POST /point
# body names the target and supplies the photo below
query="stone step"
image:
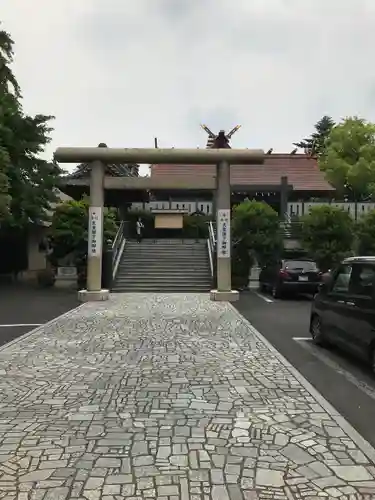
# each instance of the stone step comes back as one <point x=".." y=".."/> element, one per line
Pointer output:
<point x="163" y="265"/>
<point x="161" y="243"/>
<point x="173" y="273"/>
<point x="166" y="282"/>
<point x="163" y="258"/>
<point x="167" y="255"/>
<point x="153" y="249"/>
<point x="158" y="288"/>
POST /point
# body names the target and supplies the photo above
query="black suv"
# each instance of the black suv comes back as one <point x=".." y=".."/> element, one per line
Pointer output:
<point x="343" y="310"/>
<point x="290" y="276"/>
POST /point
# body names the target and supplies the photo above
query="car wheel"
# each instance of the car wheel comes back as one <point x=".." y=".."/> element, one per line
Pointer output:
<point x="276" y="292"/>
<point x="317" y="331"/>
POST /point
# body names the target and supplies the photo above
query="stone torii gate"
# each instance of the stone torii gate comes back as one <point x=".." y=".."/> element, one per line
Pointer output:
<point x="220" y="155"/>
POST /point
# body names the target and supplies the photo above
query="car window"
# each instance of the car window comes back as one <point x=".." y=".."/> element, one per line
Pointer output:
<point x="342" y="279"/>
<point x="362" y="280"/>
<point x="304" y="265"/>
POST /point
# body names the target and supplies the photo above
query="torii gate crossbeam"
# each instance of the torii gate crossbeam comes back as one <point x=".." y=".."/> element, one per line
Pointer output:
<point x="223" y="158"/>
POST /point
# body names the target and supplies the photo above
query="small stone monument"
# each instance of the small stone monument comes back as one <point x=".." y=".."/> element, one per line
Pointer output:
<point x="66" y="276"/>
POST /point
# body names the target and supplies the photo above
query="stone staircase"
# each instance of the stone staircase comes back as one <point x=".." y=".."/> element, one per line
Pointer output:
<point x="164" y="265"/>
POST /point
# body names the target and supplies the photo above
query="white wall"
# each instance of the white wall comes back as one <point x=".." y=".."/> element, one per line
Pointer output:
<point x="356" y="210"/>
<point x="190" y="206"/>
<point x="297" y="208"/>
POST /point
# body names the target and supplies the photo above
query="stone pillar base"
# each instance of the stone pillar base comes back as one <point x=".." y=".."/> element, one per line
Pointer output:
<point x="93" y="296"/>
<point x="230" y="296"/>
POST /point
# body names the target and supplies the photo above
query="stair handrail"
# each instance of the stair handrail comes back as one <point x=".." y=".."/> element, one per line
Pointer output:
<point x="212" y="233"/>
<point x="211" y="246"/>
<point x="290" y="229"/>
<point x="118" y="246"/>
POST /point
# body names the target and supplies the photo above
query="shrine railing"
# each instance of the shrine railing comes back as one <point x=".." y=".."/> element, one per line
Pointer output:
<point x="118" y="246"/>
<point x="211" y="245"/>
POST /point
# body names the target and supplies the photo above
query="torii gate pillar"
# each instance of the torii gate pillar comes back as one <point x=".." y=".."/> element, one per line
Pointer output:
<point x="94" y="291"/>
<point x="221" y="155"/>
<point x="224" y="290"/>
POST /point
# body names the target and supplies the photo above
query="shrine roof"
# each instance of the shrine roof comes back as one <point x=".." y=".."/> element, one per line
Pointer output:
<point x="123" y="170"/>
<point x="301" y="170"/>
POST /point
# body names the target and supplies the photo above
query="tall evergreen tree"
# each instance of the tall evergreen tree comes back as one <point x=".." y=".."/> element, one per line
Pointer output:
<point x="27" y="182"/>
<point x="314" y="145"/>
<point x="8" y="81"/>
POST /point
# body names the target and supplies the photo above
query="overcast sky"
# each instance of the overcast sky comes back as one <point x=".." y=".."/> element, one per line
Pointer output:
<point x="125" y="71"/>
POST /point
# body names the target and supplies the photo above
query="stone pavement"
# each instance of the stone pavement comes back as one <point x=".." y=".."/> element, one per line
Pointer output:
<point x="169" y="397"/>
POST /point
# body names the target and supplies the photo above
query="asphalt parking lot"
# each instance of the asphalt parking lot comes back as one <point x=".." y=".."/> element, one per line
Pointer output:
<point x="344" y="381"/>
<point x="23" y="308"/>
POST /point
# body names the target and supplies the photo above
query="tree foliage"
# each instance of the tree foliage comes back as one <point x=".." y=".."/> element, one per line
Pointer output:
<point x="349" y="158"/>
<point x="27" y="181"/>
<point x="256" y="228"/>
<point x="69" y="230"/>
<point x="8" y="82"/>
<point x="315" y="144"/>
<point x="327" y="234"/>
<point x="365" y="233"/>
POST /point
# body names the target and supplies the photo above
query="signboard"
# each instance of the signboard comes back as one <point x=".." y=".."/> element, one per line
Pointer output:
<point x="95" y="231"/>
<point x="223" y="233"/>
<point x="169" y="221"/>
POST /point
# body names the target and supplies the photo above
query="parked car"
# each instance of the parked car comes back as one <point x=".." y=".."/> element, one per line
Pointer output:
<point x="343" y="310"/>
<point x="290" y="276"/>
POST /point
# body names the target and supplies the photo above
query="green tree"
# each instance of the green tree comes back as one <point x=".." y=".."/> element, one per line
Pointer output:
<point x="27" y="182"/>
<point x="315" y="144"/>
<point x="8" y="82"/>
<point x="365" y="232"/>
<point x="69" y="230"/>
<point x="256" y="229"/>
<point x="349" y="158"/>
<point x="327" y="234"/>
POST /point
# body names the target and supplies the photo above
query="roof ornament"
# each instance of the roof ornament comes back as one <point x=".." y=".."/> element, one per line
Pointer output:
<point x="220" y="140"/>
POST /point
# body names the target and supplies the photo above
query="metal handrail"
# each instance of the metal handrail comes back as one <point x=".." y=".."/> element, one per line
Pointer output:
<point x="212" y="233"/>
<point x="118" y="246"/>
<point x="290" y="229"/>
<point x="120" y="232"/>
<point x="211" y="245"/>
<point x="210" y="256"/>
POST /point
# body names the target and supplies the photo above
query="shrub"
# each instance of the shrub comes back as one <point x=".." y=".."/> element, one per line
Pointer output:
<point x="328" y="235"/>
<point x="69" y="230"/>
<point x="365" y="232"/>
<point x="46" y="277"/>
<point x="256" y="224"/>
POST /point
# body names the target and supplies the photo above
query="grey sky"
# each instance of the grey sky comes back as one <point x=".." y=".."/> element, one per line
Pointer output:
<point x="125" y="71"/>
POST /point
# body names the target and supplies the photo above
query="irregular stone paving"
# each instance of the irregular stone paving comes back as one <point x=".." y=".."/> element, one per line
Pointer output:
<point x="169" y="397"/>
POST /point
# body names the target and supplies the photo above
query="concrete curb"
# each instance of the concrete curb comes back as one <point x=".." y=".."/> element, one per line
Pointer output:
<point x="362" y="444"/>
<point x="38" y="329"/>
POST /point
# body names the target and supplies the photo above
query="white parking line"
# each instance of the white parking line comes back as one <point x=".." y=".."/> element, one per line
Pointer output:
<point x="266" y="299"/>
<point x="20" y="325"/>
<point x="320" y="354"/>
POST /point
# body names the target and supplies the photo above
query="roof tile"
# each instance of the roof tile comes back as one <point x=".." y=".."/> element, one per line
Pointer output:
<point x="302" y="172"/>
